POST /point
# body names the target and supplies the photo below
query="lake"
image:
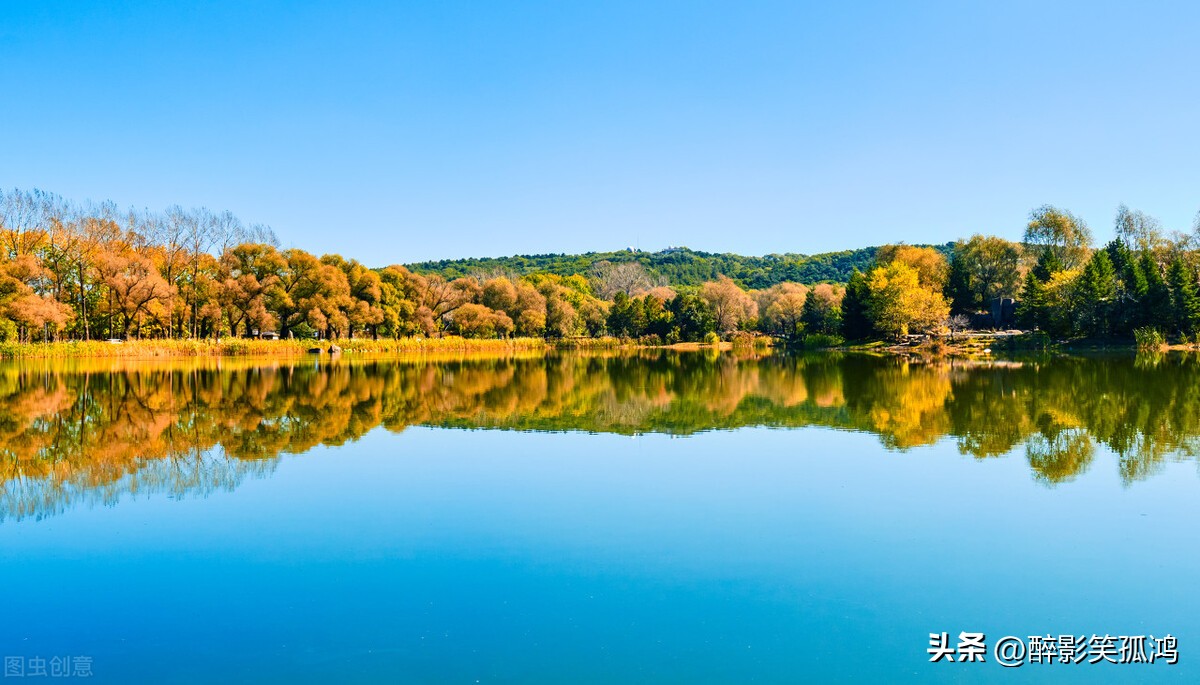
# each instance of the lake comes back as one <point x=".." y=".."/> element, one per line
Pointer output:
<point x="636" y="517"/>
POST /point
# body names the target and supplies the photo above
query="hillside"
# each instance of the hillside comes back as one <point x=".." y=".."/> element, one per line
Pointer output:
<point x="680" y="266"/>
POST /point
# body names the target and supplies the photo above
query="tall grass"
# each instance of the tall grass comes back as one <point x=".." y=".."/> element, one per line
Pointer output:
<point x="1148" y="338"/>
<point x="239" y="347"/>
<point x="601" y="343"/>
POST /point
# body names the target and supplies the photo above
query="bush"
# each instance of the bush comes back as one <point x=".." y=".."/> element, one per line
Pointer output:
<point x="816" y="341"/>
<point x="937" y="346"/>
<point x="711" y="338"/>
<point x="1148" y="338"/>
<point x="303" y="331"/>
<point x="1033" y="340"/>
<point x="744" y="339"/>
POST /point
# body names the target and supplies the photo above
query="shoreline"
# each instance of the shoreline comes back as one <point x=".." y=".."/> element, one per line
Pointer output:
<point x="968" y="345"/>
<point x="250" y="347"/>
<point x="1011" y="342"/>
<point x="293" y="349"/>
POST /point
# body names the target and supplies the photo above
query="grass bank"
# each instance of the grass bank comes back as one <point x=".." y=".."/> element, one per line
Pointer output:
<point x="239" y="347"/>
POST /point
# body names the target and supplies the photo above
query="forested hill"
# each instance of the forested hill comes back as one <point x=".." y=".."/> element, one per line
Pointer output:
<point x="680" y="266"/>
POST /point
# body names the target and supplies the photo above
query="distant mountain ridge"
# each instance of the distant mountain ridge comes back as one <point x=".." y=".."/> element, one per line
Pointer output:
<point x="681" y="266"/>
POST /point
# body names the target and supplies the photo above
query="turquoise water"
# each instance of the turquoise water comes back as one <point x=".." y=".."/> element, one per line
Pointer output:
<point x="754" y="554"/>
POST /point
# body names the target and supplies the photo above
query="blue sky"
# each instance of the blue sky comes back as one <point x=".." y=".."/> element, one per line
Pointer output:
<point x="401" y="131"/>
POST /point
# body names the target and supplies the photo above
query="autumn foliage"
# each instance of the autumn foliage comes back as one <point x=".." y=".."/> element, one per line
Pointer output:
<point x="71" y="272"/>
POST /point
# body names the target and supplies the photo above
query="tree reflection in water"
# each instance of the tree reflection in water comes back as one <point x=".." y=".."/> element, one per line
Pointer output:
<point x="89" y="431"/>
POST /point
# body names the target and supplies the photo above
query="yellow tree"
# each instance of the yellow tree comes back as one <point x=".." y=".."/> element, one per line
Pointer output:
<point x="135" y="286"/>
<point x="730" y="304"/>
<point x="250" y="274"/>
<point x="441" y="297"/>
<point x="28" y="311"/>
<point x="530" y="310"/>
<point x="823" y="309"/>
<point x="931" y="266"/>
<point x="781" y="306"/>
<point x="363" y="308"/>
<point x="899" y="303"/>
<point x="1061" y="233"/>
<point x="478" y="321"/>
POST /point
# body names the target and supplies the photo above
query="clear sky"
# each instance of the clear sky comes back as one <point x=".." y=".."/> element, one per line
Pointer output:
<point x="401" y="131"/>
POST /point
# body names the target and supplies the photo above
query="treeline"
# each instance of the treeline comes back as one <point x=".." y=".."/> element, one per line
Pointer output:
<point x="1142" y="284"/>
<point x="677" y="266"/>
<point x="85" y="272"/>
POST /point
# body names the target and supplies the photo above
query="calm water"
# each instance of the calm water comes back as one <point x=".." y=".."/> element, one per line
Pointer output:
<point x="645" y="518"/>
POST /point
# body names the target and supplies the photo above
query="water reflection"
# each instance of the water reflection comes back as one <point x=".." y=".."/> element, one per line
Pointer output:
<point x="90" y="431"/>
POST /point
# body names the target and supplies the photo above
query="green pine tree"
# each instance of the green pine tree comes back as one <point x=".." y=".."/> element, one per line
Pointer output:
<point x="1155" y="305"/>
<point x="1096" y="296"/>
<point x="1033" y="311"/>
<point x="621" y="316"/>
<point x="1185" y="304"/>
<point x="958" y="289"/>
<point x="856" y="324"/>
<point x="1047" y="265"/>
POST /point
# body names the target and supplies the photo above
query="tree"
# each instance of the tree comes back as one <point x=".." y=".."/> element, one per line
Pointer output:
<point x="37" y="314"/>
<point x="1061" y="232"/>
<point x="899" y="303"/>
<point x="206" y="293"/>
<point x="609" y="278"/>
<point x="442" y="297"/>
<point x="1097" y="296"/>
<point x="957" y="324"/>
<point x="1155" y="306"/>
<point x="562" y="320"/>
<point x="362" y="304"/>
<point x="30" y="314"/>
<point x="170" y="234"/>
<point x="200" y="236"/>
<point x="691" y="318"/>
<point x="299" y="282"/>
<point x="1047" y="264"/>
<point x="931" y="267"/>
<point x="730" y="305"/>
<point x="329" y="307"/>
<point x="135" y="286"/>
<point x="1185" y="304"/>
<point x="477" y="321"/>
<point x="1061" y="301"/>
<point x="1039" y="306"/>
<point x="1129" y="310"/>
<point x="1140" y="230"/>
<point x="626" y="317"/>
<point x="1032" y="311"/>
<point x="500" y="294"/>
<point x="250" y="271"/>
<point x="856" y="320"/>
<point x="22" y="216"/>
<point x="983" y="268"/>
<point x="822" y="311"/>
<point x="401" y="298"/>
<point x="958" y="287"/>
<point x="530" y="310"/>
<point x="655" y="314"/>
<point x="782" y="306"/>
